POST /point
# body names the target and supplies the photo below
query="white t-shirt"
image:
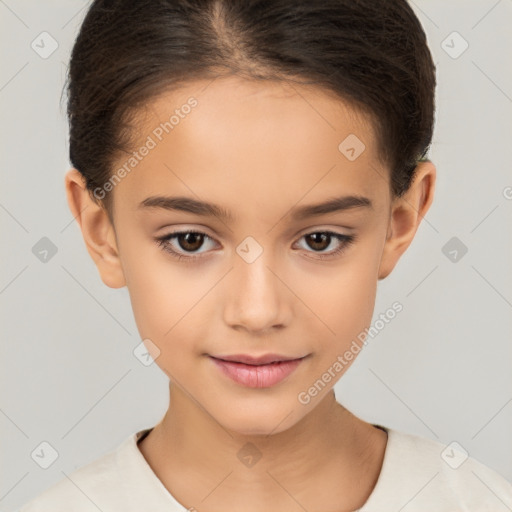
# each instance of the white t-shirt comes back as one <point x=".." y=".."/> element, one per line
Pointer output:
<point x="417" y="475"/>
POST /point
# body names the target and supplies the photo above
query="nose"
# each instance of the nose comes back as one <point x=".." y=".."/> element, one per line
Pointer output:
<point x="257" y="298"/>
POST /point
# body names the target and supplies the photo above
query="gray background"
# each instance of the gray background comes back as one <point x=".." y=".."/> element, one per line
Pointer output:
<point x="441" y="369"/>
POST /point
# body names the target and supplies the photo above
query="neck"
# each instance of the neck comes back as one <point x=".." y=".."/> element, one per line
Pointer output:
<point x="330" y="449"/>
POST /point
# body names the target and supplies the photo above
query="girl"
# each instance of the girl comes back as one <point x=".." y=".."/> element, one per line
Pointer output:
<point x="250" y="170"/>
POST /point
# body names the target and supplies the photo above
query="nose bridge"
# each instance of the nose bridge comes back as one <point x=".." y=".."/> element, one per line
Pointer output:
<point x="256" y="299"/>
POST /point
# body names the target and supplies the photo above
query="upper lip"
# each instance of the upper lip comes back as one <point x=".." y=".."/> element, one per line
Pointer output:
<point x="265" y="359"/>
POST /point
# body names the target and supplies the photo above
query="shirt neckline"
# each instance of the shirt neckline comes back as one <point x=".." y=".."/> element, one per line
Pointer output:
<point x="150" y="476"/>
<point x="384" y="470"/>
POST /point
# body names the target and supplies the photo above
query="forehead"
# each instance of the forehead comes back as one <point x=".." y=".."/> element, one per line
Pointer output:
<point x="266" y="141"/>
<point x="257" y="110"/>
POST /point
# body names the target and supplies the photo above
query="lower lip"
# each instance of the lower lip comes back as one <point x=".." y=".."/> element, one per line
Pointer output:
<point x="261" y="376"/>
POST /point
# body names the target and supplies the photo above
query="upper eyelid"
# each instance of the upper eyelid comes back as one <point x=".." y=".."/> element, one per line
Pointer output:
<point x="330" y="231"/>
<point x="300" y="233"/>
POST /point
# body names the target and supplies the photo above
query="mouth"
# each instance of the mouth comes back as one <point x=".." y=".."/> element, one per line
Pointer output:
<point x="257" y="372"/>
<point x="257" y="360"/>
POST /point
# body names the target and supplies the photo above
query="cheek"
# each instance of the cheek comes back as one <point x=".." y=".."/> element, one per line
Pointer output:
<point x="159" y="308"/>
<point x="342" y="298"/>
<point x="343" y="295"/>
<point x="160" y="293"/>
<point x="168" y="302"/>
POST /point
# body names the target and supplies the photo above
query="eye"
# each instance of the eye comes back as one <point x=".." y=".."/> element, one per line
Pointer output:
<point x="187" y="241"/>
<point x="322" y="239"/>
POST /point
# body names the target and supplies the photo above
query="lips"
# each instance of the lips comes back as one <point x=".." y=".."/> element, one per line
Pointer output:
<point x="260" y="372"/>
<point x="253" y="360"/>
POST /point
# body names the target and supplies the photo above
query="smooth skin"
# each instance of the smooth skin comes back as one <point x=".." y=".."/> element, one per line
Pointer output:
<point x="259" y="150"/>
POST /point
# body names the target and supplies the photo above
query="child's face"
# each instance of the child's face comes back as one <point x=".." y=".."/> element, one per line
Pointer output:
<point x="260" y="152"/>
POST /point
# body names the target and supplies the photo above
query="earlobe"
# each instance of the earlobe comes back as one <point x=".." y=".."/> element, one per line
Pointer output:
<point x="407" y="213"/>
<point x="97" y="230"/>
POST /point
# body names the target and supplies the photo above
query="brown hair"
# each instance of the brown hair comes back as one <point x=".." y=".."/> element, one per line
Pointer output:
<point x="373" y="54"/>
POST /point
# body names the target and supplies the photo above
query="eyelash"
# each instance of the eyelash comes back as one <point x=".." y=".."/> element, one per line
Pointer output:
<point x="164" y="243"/>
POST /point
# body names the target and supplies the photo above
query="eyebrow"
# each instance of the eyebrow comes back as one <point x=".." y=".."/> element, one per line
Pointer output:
<point x="206" y="209"/>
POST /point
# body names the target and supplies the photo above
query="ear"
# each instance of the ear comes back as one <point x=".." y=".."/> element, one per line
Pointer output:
<point x="97" y="230"/>
<point x="407" y="212"/>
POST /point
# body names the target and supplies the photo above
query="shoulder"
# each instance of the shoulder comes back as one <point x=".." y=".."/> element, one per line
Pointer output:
<point x="420" y="473"/>
<point x="95" y="486"/>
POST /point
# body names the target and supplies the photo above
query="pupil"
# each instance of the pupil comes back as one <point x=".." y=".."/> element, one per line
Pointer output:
<point x="318" y="241"/>
<point x="195" y="246"/>
<point x="322" y="236"/>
